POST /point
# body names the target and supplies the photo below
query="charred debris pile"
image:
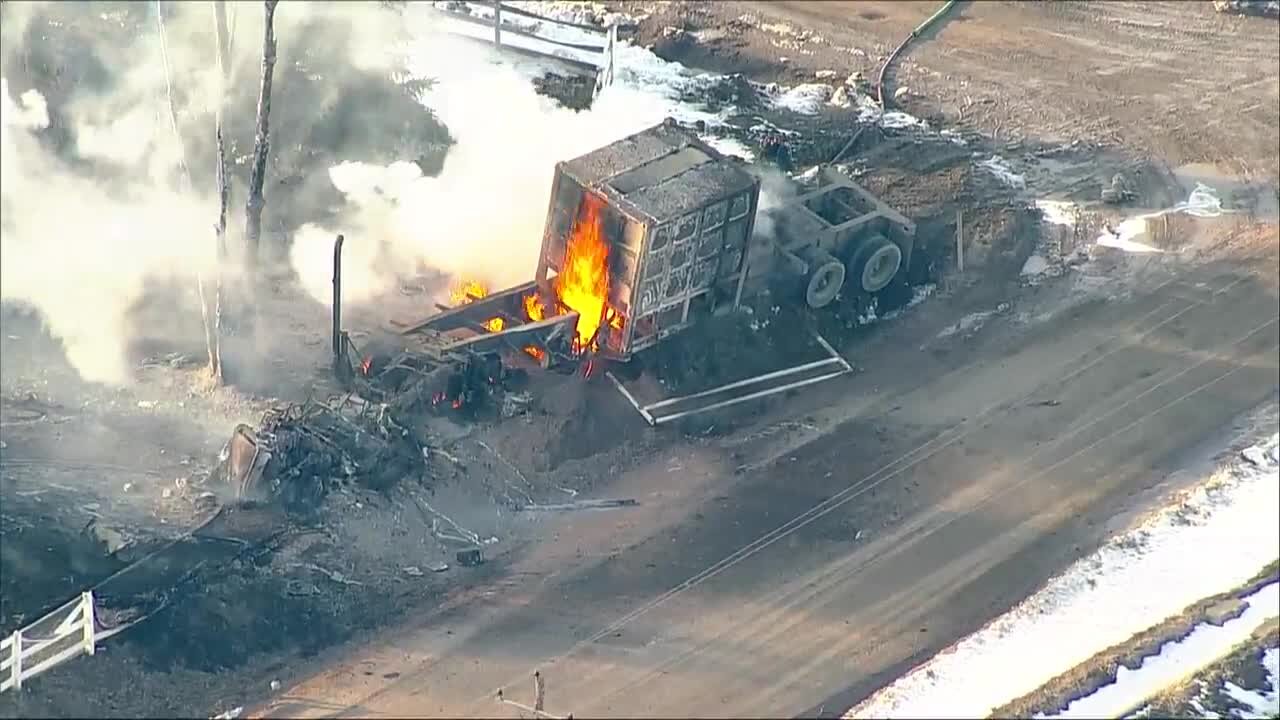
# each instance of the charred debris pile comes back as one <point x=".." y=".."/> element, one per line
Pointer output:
<point x="373" y="435"/>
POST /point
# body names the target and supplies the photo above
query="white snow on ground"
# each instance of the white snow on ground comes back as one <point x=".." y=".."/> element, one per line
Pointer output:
<point x="1264" y="703"/>
<point x="971" y="323"/>
<point x="1203" y="202"/>
<point x="806" y="99"/>
<point x="1123" y="237"/>
<point x="1214" y="540"/>
<point x="1205" y="644"/>
<point x="1254" y="704"/>
<point x="1057" y="212"/>
<point x="999" y="167"/>
<point x="1034" y="266"/>
<point x="637" y="71"/>
<point x="729" y="146"/>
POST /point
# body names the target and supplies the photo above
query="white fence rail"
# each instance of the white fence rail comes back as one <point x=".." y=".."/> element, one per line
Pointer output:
<point x="586" y="47"/>
<point x="50" y="641"/>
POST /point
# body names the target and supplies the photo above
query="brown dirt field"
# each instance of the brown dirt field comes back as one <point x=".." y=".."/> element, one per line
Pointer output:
<point x="1173" y="81"/>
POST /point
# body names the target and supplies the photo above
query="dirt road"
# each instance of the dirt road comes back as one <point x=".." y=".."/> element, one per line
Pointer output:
<point x="953" y="495"/>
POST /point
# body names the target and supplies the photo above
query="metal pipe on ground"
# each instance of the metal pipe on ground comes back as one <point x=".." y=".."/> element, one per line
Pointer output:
<point x="884" y="70"/>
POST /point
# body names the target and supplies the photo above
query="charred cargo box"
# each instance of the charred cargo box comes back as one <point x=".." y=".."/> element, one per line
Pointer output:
<point x="675" y="218"/>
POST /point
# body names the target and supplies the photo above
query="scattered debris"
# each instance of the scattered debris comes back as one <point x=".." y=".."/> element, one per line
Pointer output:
<point x="581" y="505"/>
<point x="1261" y="8"/>
<point x="331" y="574"/>
<point x="471" y="557"/>
<point x="1118" y="192"/>
<point x="298" y="452"/>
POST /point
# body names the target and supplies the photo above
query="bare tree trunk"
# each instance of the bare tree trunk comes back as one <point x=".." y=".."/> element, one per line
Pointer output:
<point x="222" y="38"/>
<point x="261" y="146"/>
<point x="210" y="319"/>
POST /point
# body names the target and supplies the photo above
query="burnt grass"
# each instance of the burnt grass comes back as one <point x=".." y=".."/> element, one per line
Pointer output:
<point x="324" y="111"/>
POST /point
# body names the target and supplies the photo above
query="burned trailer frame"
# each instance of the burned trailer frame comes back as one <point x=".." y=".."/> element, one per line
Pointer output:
<point x="677" y="218"/>
<point x="836" y="233"/>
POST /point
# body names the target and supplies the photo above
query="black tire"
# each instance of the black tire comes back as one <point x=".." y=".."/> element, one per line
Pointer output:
<point x="875" y="263"/>
<point x="824" y="284"/>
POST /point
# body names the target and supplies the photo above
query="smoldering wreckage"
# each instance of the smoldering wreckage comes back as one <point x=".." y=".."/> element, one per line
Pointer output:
<point x="645" y="238"/>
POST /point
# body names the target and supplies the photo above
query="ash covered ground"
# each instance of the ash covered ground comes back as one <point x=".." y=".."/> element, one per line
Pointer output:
<point x="96" y="475"/>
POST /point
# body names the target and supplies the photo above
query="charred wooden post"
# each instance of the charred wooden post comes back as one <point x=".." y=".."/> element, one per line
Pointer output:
<point x="341" y="363"/>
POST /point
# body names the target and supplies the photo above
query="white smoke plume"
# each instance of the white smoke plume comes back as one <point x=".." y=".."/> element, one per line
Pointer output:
<point x="81" y="250"/>
<point x="482" y="217"/>
<point x="95" y="211"/>
<point x="776" y="188"/>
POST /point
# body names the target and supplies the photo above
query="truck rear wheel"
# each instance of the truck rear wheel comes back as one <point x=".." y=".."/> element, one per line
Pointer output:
<point x="826" y="278"/>
<point x="875" y="263"/>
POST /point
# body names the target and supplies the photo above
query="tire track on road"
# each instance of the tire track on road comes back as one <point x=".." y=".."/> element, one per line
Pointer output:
<point x="885" y="472"/>
<point x="841" y="572"/>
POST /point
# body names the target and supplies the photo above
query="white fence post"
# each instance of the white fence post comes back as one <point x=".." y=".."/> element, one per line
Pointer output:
<point x="87" y="617"/>
<point x="497" y="22"/>
<point x="613" y="39"/>
<point x="16" y="667"/>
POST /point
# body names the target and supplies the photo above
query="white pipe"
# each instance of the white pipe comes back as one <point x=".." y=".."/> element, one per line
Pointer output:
<point x="833" y="352"/>
<point x="630" y="398"/>
<point x="752" y="396"/>
<point x="748" y="381"/>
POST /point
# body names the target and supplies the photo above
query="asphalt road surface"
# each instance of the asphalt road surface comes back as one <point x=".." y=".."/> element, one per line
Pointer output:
<point x="804" y="586"/>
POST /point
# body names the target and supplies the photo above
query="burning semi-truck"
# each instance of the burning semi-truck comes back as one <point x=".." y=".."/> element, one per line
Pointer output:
<point x="649" y="235"/>
<point x="646" y="236"/>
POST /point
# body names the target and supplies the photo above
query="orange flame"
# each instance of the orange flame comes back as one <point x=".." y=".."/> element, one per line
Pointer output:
<point x="469" y="291"/>
<point x="583" y="282"/>
<point x="533" y="308"/>
<point x="582" y="285"/>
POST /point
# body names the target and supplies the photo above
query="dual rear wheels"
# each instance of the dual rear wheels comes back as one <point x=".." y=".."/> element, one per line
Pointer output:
<point x="873" y="264"/>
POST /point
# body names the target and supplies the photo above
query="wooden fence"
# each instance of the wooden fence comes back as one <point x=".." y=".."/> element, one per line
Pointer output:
<point x="63" y="634"/>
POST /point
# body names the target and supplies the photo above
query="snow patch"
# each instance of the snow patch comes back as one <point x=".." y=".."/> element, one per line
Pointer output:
<point x="729" y="146"/>
<point x="1264" y="703"/>
<point x="1205" y="644"/>
<point x="871" y="112"/>
<point x="919" y="294"/>
<point x="1035" y="266"/>
<point x="968" y="324"/>
<point x="1058" y="212"/>
<point x="806" y="99"/>
<point x="999" y="167"/>
<point x="1224" y="530"/>
<point x="1203" y="202"/>
<point x="1122" y="237"/>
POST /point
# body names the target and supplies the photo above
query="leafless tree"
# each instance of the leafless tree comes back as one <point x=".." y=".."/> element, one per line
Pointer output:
<point x="212" y="316"/>
<point x="222" y="38"/>
<point x="261" y="146"/>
